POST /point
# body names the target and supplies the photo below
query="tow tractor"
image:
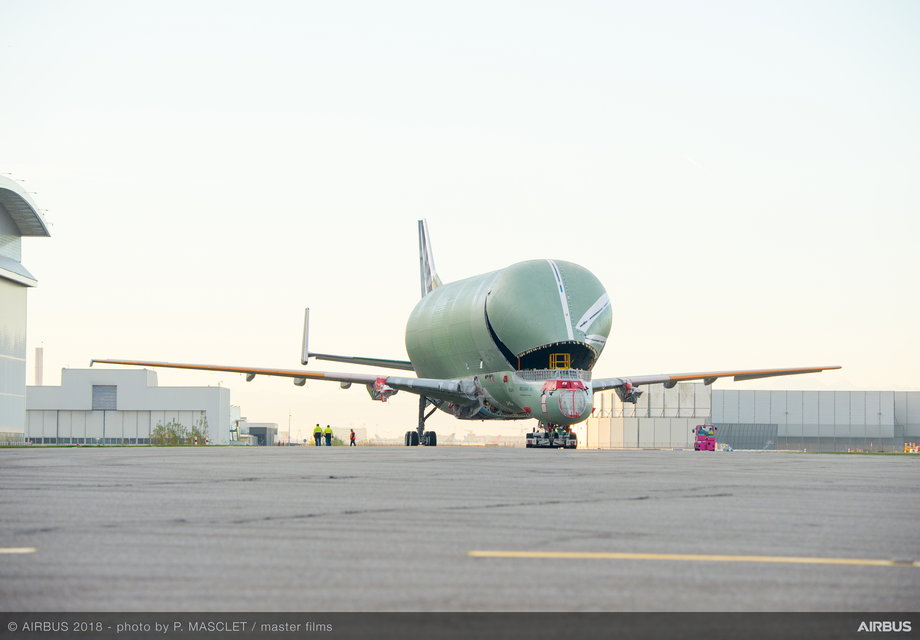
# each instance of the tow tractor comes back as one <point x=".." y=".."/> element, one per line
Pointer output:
<point x="704" y="437"/>
<point x="552" y="436"/>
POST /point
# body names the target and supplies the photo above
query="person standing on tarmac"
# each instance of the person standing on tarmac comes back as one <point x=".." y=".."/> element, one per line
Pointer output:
<point x="352" y="439"/>
<point x="318" y="435"/>
<point x="328" y="433"/>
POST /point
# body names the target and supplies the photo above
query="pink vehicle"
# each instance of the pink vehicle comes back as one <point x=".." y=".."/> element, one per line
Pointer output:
<point x="704" y="437"/>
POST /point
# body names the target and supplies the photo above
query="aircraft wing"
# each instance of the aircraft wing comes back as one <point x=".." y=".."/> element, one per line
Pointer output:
<point x="669" y="380"/>
<point x="379" y="386"/>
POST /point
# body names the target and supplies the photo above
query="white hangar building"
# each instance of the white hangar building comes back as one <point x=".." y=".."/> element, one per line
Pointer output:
<point x="19" y="217"/>
<point x="121" y="406"/>
<point x="748" y="419"/>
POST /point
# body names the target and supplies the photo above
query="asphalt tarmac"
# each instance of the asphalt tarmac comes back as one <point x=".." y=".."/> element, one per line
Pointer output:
<point x="399" y="529"/>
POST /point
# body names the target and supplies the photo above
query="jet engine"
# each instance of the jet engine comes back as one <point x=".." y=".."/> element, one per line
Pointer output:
<point x="380" y="390"/>
<point x="626" y="392"/>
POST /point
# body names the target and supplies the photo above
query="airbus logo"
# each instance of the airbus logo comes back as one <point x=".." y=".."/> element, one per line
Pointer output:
<point x="887" y="626"/>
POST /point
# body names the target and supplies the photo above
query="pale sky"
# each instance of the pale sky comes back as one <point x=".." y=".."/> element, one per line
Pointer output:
<point x="741" y="176"/>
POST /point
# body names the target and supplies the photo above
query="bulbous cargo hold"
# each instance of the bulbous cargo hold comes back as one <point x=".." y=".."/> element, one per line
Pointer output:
<point x="539" y="314"/>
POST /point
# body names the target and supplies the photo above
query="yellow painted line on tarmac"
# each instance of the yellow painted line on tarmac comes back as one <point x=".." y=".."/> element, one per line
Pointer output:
<point x="17" y="550"/>
<point x="683" y="557"/>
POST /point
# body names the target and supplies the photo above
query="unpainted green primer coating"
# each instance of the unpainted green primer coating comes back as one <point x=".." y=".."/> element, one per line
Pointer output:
<point x="448" y="335"/>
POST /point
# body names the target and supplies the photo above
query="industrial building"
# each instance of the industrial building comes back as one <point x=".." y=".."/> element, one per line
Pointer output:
<point x="264" y="434"/>
<point x="122" y="406"/>
<point x="19" y="217"/>
<point x="125" y="406"/>
<point x="746" y="419"/>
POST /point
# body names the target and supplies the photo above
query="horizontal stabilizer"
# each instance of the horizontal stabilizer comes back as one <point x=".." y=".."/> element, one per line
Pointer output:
<point x="306" y="354"/>
<point x="404" y="365"/>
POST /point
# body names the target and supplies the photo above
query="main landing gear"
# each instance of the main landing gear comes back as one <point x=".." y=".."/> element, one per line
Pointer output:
<point x="420" y="436"/>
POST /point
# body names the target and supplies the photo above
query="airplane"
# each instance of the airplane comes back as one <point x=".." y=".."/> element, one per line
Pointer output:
<point x="512" y="344"/>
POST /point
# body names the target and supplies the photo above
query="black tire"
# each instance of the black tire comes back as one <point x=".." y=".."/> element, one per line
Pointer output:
<point x="413" y="438"/>
<point x="431" y="439"/>
<point x="407" y="438"/>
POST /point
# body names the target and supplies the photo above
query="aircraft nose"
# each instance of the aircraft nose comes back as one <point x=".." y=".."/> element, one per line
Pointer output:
<point x="573" y="403"/>
<point x="566" y="401"/>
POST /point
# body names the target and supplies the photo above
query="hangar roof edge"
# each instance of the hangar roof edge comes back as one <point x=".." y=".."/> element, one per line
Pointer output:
<point x="22" y="209"/>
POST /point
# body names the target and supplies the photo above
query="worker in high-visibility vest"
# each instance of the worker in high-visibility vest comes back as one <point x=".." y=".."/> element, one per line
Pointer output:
<point x="328" y="433"/>
<point x="318" y="435"/>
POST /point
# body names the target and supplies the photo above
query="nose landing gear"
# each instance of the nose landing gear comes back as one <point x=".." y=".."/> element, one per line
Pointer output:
<point x="552" y="436"/>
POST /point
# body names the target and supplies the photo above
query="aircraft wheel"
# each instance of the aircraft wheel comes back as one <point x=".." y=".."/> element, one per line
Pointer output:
<point x="407" y="437"/>
<point x="431" y="438"/>
<point x="413" y="438"/>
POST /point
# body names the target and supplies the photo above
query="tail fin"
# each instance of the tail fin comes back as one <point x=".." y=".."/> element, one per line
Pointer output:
<point x="429" y="276"/>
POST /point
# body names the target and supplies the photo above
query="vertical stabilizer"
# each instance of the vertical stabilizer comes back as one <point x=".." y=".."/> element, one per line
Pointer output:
<point x="429" y="276"/>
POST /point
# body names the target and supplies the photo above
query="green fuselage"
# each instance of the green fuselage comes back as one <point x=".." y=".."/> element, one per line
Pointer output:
<point x="527" y="336"/>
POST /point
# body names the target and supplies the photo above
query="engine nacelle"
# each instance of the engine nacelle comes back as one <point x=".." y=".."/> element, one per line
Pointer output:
<point x="379" y="390"/>
<point x="626" y="392"/>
